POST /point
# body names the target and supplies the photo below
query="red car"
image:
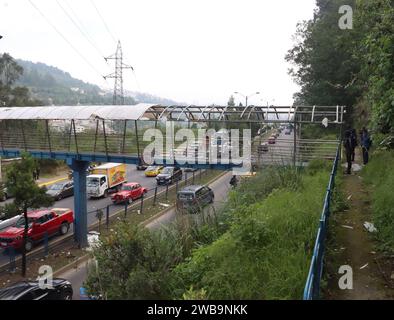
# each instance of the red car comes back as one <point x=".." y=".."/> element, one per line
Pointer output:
<point x="40" y="222"/>
<point x="272" y="140"/>
<point x="128" y="193"/>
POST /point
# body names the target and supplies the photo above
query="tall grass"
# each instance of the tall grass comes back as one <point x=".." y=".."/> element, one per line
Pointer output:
<point x="379" y="175"/>
<point x="258" y="246"/>
<point x="266" y="252"/>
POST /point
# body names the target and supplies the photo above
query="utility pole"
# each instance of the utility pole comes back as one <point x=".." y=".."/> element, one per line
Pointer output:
<point x="118" y="98"/>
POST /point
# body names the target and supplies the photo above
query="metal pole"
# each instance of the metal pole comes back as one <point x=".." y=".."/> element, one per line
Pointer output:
<point x="107" y="217"/>
<point x="75" y="136"/>
<point x="105" y="139"/>
<point x="142" y="204"/>
<point x="136" y="136"/>
<point x="48" y="135"/>
<point x="46" y="246"/>
<point x="295" y="142"/>
<point x="124" y="136"/>
<point x="95" y="136"/>
<point x="167" y="191"/>
<point x="23" y="135"/>
<point x="155" y="197"/>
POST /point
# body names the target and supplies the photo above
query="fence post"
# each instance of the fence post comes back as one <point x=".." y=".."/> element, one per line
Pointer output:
<point x="11" y="252"/>
<point x="107" y="217"/>
<point x="167" y="191"/>
<point x="125" y="209"/>
<point x="185" y="178"/>
<point x="155" y="197"/>
<point x="142" y="204"/>
<point x="46" y="245"/>
<point x="200" y="175"/>
<point x="193" y="177"/>
<point x="176" y="187"/>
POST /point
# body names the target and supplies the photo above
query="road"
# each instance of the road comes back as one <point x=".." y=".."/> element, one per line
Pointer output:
<point x="220" y="187"/>
<point x="133" y="175"/>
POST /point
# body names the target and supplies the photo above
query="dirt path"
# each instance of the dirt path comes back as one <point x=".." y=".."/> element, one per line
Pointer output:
<point x="352" y="245"/>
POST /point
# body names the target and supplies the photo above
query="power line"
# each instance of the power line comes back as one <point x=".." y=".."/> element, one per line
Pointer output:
<point x="84" y="34"/>
<point x="64" y="38"/>
<point x="102" y="19"/>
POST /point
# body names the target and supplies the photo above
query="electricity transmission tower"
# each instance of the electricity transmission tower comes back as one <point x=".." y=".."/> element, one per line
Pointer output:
<point x="118" y="98"/>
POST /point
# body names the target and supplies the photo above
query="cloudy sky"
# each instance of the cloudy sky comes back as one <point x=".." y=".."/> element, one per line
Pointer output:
<point x="193" y="51"/>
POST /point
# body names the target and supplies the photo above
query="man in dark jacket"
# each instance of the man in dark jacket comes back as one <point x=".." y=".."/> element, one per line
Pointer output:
<point x="365" y="144"/>
<point x="354" y="143"/>
<point x="348" y="145"/>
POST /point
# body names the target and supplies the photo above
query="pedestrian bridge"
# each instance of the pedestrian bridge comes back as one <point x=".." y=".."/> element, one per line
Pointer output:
<point x="83" y="134"/>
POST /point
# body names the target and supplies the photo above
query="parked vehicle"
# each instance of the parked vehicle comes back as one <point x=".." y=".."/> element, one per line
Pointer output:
<point x="193" y="198"/>
<point x="288" y="131"/>
<point x="129" y="192"/>
<point x="169" y="175"/>
<point x="31" y="290"/>
<point x="40" y="222"/>
<point x="61" y="190"/>
<point x="272" y="140"/>
<point x="153" y="171"/>
<point x="4" y="194"/>
<point x="106" y="178"/>
<point x="190" y="169"/>
<point x="141" y="166"/>
<point x="263" y="147"/>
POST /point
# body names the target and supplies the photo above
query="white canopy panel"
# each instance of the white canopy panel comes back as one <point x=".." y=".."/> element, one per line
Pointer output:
<point x="130" y="112"/>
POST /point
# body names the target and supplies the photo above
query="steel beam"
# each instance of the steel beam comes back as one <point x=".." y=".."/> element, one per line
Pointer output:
<point x="80" y="203"/>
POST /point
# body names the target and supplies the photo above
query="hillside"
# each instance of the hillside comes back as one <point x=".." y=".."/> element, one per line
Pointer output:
<point x="54" y="86"/>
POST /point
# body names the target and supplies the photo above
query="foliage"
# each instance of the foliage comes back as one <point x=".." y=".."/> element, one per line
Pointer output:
<point x="348" y="67"/>
<point x="381" y="181"/>
<point x="266" y="252"/>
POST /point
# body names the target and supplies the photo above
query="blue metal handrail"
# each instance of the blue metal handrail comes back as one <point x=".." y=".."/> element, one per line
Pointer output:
<point x="312" y="286"/>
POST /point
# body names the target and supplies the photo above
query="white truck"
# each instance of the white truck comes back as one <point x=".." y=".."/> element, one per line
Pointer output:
<point x="105" y="178"/>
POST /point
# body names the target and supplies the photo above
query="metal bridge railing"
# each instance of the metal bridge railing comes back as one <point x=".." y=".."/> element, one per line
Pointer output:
<point x="312" y="286"/>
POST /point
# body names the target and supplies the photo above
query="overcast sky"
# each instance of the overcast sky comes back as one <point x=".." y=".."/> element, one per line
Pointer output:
<point x="194" y="51"/>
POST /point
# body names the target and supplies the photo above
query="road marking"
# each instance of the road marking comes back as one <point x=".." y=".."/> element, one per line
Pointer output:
<point x="52" y="182"/>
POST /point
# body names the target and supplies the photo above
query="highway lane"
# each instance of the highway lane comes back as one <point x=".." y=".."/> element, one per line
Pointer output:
<point x="133" y="175"/>
<point x="220" y="187"/>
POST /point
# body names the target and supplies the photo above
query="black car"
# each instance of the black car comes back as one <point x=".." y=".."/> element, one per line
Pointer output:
<point x="169" y="175"/>
<point x="61" y="190"/>
<point x="192" y="199"/>
<point x="61" y="290"/>
<point x="141" y="166"/>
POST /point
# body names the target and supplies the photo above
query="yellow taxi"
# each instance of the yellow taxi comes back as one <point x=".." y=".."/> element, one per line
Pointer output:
<point x="153" y="171"/>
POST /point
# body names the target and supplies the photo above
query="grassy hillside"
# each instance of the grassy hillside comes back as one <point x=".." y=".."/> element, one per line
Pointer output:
<point x="54" y="86"/>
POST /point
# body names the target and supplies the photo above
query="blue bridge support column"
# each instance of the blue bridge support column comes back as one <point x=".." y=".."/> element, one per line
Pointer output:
<point x="80" y="203"/>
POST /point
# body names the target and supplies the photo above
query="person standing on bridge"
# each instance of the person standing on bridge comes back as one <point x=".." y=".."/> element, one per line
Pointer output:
<point x="348" y="145"/>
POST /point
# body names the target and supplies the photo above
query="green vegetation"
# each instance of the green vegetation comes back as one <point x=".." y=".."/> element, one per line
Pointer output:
<point x="348" y="67"/>
<point x="28" y="195"/>
<point x="258" y="246"/>
<point x="381" y="180"/>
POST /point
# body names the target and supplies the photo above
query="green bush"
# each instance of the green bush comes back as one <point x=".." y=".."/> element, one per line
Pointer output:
<point x="379" y="175"/>
<point x="265" y="254"/>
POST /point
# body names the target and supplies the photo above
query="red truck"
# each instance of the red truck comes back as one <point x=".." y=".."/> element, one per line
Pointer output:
<point x="128" y="193"/>
<point x="40" y="222"/>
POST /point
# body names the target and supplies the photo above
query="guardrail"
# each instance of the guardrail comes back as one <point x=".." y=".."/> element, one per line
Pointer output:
<point x="160" y="194"/>
<point x="312" y="286"/>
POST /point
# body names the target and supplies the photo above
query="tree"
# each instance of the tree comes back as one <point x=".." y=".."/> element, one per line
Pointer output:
<point x="325" y="66"/>
<point x="28" y="195"/>
<point x="10" y="71"/>
<point x="10" y="95"/>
